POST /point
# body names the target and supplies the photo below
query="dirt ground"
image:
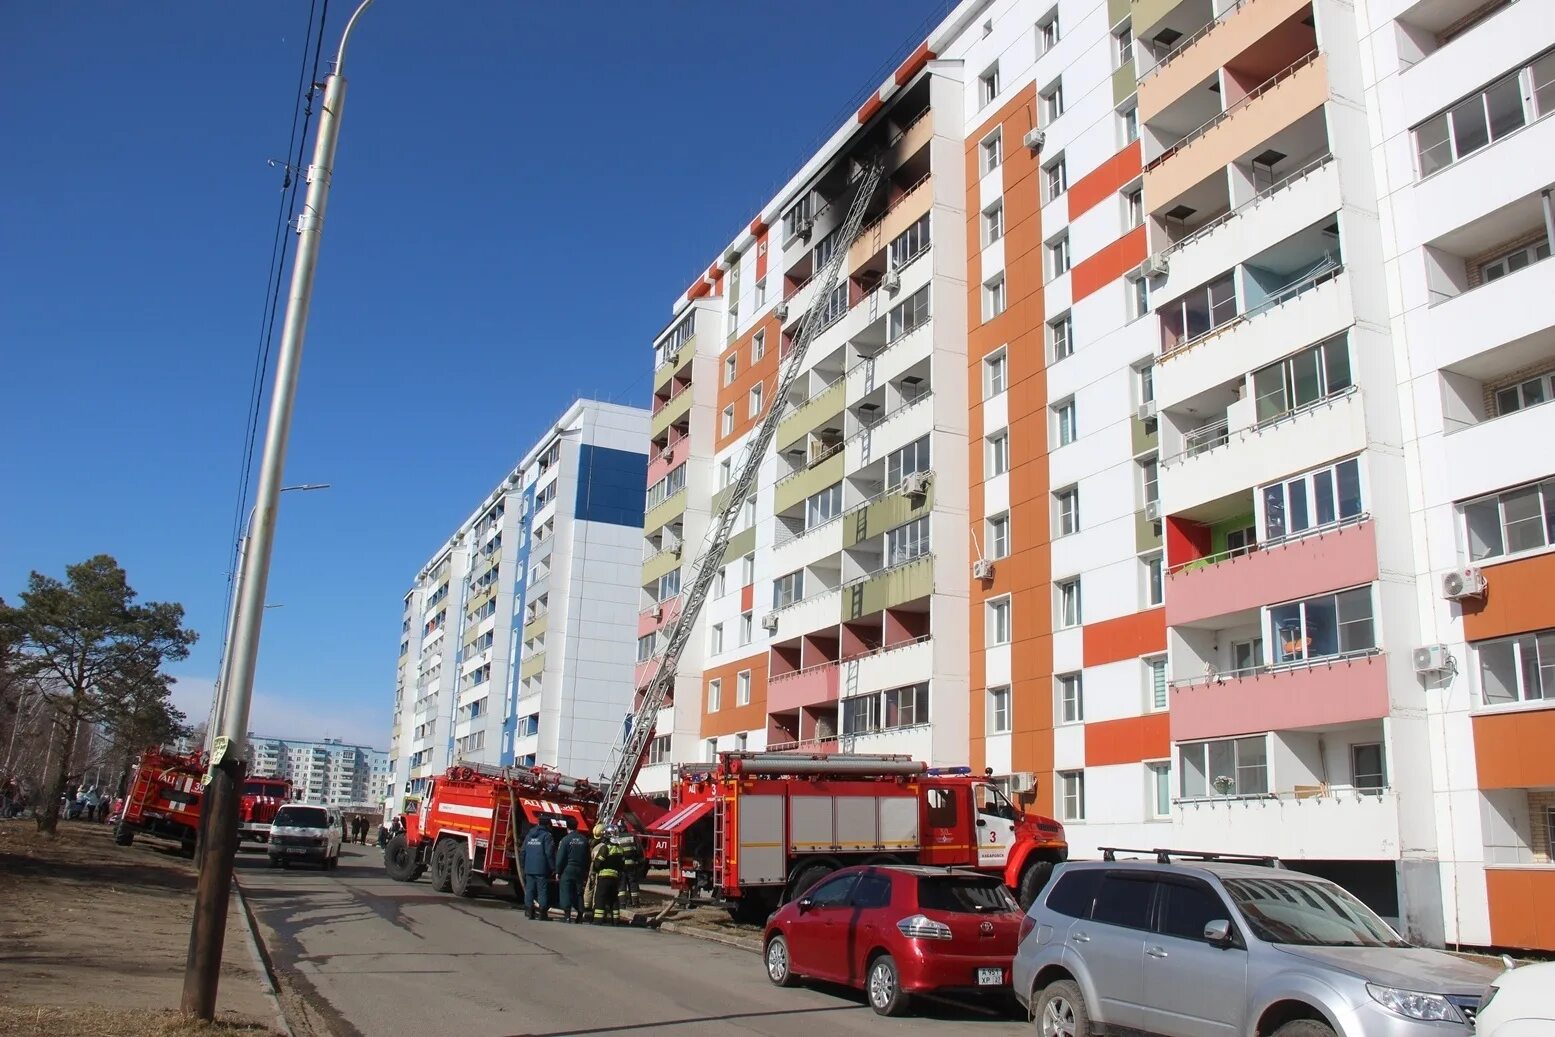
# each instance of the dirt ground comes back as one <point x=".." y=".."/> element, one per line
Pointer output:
<point x="85" y="925"/>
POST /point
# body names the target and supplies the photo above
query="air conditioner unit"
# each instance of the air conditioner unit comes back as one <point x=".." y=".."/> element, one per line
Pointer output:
<point x="1153" y="510"/>
<point x="1146" y="411"/>
<point x="1431" y="659"/>
<point x="769" y="622"/>
<point x="1463" y="583"/>
<point x="917" y="484"/>
<point x="658" y="612"/>
<point x="982" y="569"/>
<point x="1034" y="139"/>
<point x="891" y="281"/>
<point x="1155" y="265"/>
<point x="781" y="310"/>
<point x="676" y="550"/>
<point x="1023" y="781"/>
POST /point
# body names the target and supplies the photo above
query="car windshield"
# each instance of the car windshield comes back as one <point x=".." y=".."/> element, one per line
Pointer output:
<point x="1309" y="913"/>
<point x="301" y="817"/>
<point x="964" y="895"/>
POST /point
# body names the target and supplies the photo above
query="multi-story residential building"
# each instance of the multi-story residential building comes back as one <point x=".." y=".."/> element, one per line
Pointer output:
<point x="1460" y="93"/>
<point x="1154" y="405"/>
<point x="326" y="771"/>
<point x="517" y="633"/>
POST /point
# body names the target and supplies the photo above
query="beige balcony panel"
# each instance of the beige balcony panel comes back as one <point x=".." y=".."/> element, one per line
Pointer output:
<point x="820" y="407"/>
<point x="676" y="361"/>
<point x="531" y="666"/>
<point x="889" y="589"/>
<point x="721" y="498"/>
<point x="658" y="565"/>
<point x="888" y="512"/>
<point x="535" y="627"/>
<point x="809" y="482"/>
<point x="672" y="411"/>
<point x="665" y="511"/>
<point x="741" y="544"/>
<point x="1147" y="12"/>
<point x="904" y="212"/>
<point x="1238" y="133"/>
<point x="1117" y="10"/>
<point x="1142" y="439"/>
<point x="1203" y="57"/>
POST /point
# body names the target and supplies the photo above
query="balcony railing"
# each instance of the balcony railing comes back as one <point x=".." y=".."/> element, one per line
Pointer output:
<point x="1290" y="292"/>
<point x="1214" y="676"/>
<point x="1252" y="95"/>
<point x="1205" y="437"/>
<point x="1178" y="47"/>
<point x="911" y="190"/>
<point x="1268" y="192"/>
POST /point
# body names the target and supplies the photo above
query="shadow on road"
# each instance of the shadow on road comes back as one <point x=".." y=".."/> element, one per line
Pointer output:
<point x="688" y="1021"/>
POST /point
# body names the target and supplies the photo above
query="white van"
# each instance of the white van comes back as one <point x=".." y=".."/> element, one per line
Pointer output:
<point x="301" y="832"/>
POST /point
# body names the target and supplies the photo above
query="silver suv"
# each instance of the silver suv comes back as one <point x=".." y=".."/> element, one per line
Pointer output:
<point x="1193" y="945"/>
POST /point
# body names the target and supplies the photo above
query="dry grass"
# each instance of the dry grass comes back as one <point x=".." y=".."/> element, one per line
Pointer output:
<point x="27" y="1021"/>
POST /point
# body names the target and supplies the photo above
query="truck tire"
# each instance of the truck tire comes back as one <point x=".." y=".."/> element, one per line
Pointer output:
<point x="401" y="862"/>
<point x="440" y="877"/>
<point x="1032" y="882"/>
<point x="123" y="834"/>
<point x="806" y="878"/>
<point x="461" y="881"/>
<point x="753" y="908"/>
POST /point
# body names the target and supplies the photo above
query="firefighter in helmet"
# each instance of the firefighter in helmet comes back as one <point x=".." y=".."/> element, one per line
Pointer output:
<point x="631" y="862"/>
<point x="607" y="878"/>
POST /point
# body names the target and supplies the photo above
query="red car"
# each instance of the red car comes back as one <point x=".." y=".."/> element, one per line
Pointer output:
<point x="896" y="931"/>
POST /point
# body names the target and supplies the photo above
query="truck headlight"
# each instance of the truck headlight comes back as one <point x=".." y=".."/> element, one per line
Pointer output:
<point x="1411" y="1004"/>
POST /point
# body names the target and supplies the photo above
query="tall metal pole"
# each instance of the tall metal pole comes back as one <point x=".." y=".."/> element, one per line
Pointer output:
<point x="202" y="968"/>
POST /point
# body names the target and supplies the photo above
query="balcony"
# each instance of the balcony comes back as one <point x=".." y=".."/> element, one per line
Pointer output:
<point x="660" y="563"/>
<point x="1339" y="825"/>
<point x="905" y="210"/>
<point x="666" y="511"/>
<point x="814" y="412"/>
<point x="536" y="627"/>
<point x="1343" y="555"/>
<point x="897" y="665"/>
<point x="1227" y="40"/>
<point x="1455" y="68"/>
<point x="817" y="611"/>
<point x="888" y="588"/>
<point x="674" y="410"/>
<point x="806" y="687"/>
<point x="1322" y="693"/>
<point x="794" y="489"/>
<point x="673" y="364"/>
<point x="1493" y="454"/>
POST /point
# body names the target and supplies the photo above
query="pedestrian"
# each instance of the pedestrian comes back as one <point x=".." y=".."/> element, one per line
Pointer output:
<point x="607" y="879"/>
<point x="538" y="857"/>
<point x="631" y="862"/>
<point x="361" y="829"/>
<point x="572" y="869"/>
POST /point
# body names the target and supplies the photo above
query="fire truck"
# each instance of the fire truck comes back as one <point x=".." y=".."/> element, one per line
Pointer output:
<point x="165" y="794"/>
<point x="465" y="835"/>
<point x="759" y="829"/>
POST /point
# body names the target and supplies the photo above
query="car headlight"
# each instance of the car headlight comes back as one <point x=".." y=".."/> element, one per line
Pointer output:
<point x="1411" y="1004"/>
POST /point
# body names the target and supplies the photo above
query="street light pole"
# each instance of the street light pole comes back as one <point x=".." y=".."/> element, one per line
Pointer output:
<point x="202" y="968"/>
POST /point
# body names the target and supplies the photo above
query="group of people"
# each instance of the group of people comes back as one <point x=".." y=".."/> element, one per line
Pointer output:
<point x="357" y="829"/>
<point x="590" y="877"/>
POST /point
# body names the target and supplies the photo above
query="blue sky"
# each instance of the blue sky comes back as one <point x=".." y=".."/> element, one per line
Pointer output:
<point x="522" y="190"/>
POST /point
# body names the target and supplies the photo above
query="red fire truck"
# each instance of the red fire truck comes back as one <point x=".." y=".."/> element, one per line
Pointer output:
<point x="465" y="834"/>
<point x="758" y="829"/>
<point x="165" y="794"/>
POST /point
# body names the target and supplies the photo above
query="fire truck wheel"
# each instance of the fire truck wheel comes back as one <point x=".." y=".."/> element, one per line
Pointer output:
<point x="1032" y="882"/>
<point x="123" y="834"/>
<point x="778" y="970"/>
<point x="460" y="880"/>
<point x="440" y="866"/>
<point x="400" y="861"/>
<point x="884" y="987"/>
<point x="806" y="878"/>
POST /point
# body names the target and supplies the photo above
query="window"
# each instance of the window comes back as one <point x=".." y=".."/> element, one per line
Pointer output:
<point x="645" y="647"/>
<point x="731" y="368"/>
<point x="825" y="249"/>
<point x="711" y="747"/>
<point x="1310" y="501"/>
<point x="721" y="583"/>
<point x="993" y="297"/>
<point x="1071" y="788"/>
<point x="1047" y="33"/>
<point x="1246" y="655"/>
<point x="823" y="507"/>
<point x="755" y="400"/>
<point x="747" y="570"/>
<point x="1068" y="505"/>
<point x="909" y="244"/>
<point x="992" y="150"/>
<point x="999" y="621"/>
<point x="1529" y="392"/>
<point x="1074" y="893"/>
<point x="995" y="373"/>
<point x="998" y="458"/>
<point x="1071" y="698"/>
<point x="1517" y="669"/>
<point x="1058" y="257"/>
<point x="801" y="216"/>
<point x="1052" y="104"/>
<point x="886" y="710"/>
<point x="669" y="585"/>
<point x="1134" y="208"/>
<point x="1188" y="907"/>
<point x="914" y="457"/>
<point x="742" y="694"/>
<point x="1301" y="380"/>
<point x="1514" y="261"/>
<point x="1327" y="625"/>
<point x="999" y="536"/>
<point x="1128" y="124"/>
<point x="759" y="340"/>
<point x="716" y="639"/>
<point x="834" y="306"/>
<point x="1155" y="683"/>
<point x="726" y="422"/>
<point x="907" y="316"/>
<point x="1366" y="770"/>
<point x="714" y="695"/>
<point x="725" y="472"/>
<point x="1145" y="382"/>
<point x="666" y="487"/>
<point x="993" y="223"/>
<point x="1508" y="104"/>
<point x="906" y="542"/>
<point x="1150" y="480"/>
<point x="1197" y="313"/>
<point x="1064" y="422"/>
<point x="1226" y="767"/>
<point x="1055" y="179"/>
<point x="1138" y="296"/>
<point x="1160" y="776"/>
<point x="1521" y="519"/>
<point x="999" y="710"/>
<point x="1123" y="46"/>
<point x="745" y="628"/>
<point x="761" y="296"/>
<point x="1060" y="337"/>
<point x="1069" y="603"/>
<point x="788" y="589"/>
<point x="988" y="85"/>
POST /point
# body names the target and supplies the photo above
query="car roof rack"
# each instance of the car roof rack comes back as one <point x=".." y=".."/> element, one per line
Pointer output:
<point x="1165" y="856"/>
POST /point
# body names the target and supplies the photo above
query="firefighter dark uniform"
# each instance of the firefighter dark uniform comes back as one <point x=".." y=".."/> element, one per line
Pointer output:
<point x="631" y="864"/>
<point x="572" y="869"/>
<point x="607" y="881"/>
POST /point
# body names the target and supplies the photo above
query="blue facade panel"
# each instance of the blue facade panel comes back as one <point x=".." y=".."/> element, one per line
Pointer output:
<point x="611" y="486"/>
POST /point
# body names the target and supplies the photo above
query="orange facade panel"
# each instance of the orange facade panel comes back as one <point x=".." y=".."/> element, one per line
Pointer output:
<point x="1517" y="599"/>
<point x="732" y="717"/>
<point x="747" y="374"/>
<point x="1096" y="272"/>
<point x="870" y="108"/>
<point x="1105" y="181"/>
<point x="1127" y="637"/>
<point x="1512" y="749"/>
<point x="1128" y="740"/>
<point x="914" y="63"/>
<point x="1522" y="907"/>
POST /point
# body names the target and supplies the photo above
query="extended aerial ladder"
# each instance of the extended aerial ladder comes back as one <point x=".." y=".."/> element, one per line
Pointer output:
<point x="629" y="756"/>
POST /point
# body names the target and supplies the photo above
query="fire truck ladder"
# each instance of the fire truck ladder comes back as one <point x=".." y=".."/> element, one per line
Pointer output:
<point x="629" y="756"/>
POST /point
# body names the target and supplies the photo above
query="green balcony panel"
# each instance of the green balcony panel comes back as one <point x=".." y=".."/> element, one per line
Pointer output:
<point x="531" y="666"/>
<point x="1147" y="12"/>
<point x="535" y="627"/>
<point x="1145" y="536"/>
<point x="808" y="482"/>
<point x="1117" y="10"/>
<point x="741" y="544"/>
<point x="816" y="410"/>
<point x="1123" y="82"/>
<point x="658" y="565"/>
<point x="889" y="589"/>
<point x="672" y="412"/>
<point x="721" y="498"/>
<point x="1144" y="439"/>
<point x="667" y="370"/>
<point x="666" y="510"/>
<point x="888" y="512"/>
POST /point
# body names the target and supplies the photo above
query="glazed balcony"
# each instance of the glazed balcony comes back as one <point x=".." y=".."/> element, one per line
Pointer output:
<point x="1335" y="690"/>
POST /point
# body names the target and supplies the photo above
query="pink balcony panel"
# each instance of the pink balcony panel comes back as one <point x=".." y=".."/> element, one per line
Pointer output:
<point x="803" y="688"/>
<point x="646" y="624"/>
<point x="1344" y="556"/>
<point x="1320" y="695"/>
<point x="673" y="455"/>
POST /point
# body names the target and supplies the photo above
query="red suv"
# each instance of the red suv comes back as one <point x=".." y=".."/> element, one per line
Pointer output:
<point x="895" y="931"/>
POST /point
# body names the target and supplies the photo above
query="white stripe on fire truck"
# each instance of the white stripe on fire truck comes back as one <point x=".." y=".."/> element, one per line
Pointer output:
<point x="462" y="810"/>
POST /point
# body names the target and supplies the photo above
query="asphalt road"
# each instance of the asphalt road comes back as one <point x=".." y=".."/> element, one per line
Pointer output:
<point x="372" y="957"/>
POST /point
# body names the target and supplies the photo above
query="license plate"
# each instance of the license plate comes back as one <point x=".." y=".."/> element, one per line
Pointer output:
<point x="304" y="849"/>
<point x="990" y="977"/>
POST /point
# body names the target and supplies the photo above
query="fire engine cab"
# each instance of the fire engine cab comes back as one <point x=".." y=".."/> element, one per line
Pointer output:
<point x="165" y="796"/>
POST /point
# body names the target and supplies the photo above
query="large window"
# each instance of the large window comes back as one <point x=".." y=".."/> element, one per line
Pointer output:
<point x="909" y="244"/>
<point x="823" y="507"/>
<point x="1508" y="104"/>
<point x="1367" y="770"/>
<point x="999" y="621"/>
<point x="1521" y="519"/>
<point x="904" y="543"/>
<point x="908" y="315"/>
<point x="1517" y="669"/>
<point x="886" y="710"/>
<point x="1071" y="795"/>
<point x="899" y="464"/>
<point x="1070" y="690"/>
<point x="669" y="585"/>
<point x="667" y="487"/>
<point x="1513" y="261"/>
<point x="1324" y="626"/>
<point x="1227" y="767"/>
<point x="1298" y="381"/>
<point x="1530" y="392"/>
<point x="659" y="750"/>
<point x="998" y="710"/>
<point x="788" y="589"/>
<point x="825" y="249"/>
<point x="1198" y="312"/>
<point x="1311" y="501"/>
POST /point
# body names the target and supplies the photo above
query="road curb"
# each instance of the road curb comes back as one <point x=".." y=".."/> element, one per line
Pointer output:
<point x="257" y="950"/>
<point x="743" y="943"/>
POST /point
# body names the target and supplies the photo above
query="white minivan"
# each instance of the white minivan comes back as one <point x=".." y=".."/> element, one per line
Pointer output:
<point x="305" y="833"/>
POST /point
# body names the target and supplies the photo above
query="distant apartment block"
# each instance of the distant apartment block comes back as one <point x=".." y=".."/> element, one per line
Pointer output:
<point x="326" y="771"/>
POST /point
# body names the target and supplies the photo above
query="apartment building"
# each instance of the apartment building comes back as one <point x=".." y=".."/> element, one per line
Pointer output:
<point x="1461" y="94"/>
<point x="325" y="771"/>
<point x="517" y="633"/>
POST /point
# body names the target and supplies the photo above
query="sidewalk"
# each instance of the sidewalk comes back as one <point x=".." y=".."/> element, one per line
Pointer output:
<point x="94" y="938"/>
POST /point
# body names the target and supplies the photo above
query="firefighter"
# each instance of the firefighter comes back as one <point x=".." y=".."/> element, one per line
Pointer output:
<point x="539" y="860"/>
<point x="631" y="861"/>
<point x="607" y="878"/>
<point x="572" y="869"/>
